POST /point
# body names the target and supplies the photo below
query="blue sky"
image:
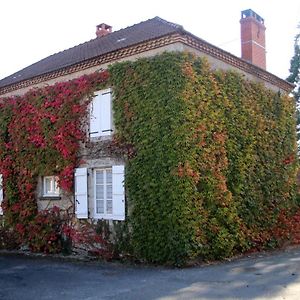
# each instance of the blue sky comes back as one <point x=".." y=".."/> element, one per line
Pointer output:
<point x="33" y="29"/>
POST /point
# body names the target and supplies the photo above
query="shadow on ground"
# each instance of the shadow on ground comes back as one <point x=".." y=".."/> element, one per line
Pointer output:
<point x="273" y="276"/>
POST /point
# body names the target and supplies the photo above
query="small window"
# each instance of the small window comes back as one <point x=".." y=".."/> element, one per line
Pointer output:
<point x="50" y="186"/>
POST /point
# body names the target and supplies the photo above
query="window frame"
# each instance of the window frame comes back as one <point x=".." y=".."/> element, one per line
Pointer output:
<point x="55" y="190"/>
<point x="104" y="215"/>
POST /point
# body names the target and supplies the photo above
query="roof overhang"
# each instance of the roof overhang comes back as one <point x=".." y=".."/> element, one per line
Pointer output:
<point x="181" y="36"/>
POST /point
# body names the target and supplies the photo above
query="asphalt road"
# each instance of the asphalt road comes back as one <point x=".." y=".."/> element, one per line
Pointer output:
<point x="268" y="276"/>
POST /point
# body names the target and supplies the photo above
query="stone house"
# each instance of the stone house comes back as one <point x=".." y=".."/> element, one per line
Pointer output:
<point x="99" y="191"/>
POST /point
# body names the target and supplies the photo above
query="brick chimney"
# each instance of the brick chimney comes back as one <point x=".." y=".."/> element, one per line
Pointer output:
<point x="253" y="38"/>
<point x="103" y="29"/>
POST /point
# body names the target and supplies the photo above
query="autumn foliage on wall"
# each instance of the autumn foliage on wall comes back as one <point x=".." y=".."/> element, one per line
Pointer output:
<point x="215" y="163"/>
<point x="40" y="134"/>
<point x="210" y="157"/>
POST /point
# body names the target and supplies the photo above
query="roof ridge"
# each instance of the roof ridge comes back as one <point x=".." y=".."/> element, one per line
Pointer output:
<point x="175" y="25"/>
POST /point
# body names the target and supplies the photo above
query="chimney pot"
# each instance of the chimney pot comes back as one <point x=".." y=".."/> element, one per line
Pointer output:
<point x="103" y="29"/>
<point x="253" y="38"/>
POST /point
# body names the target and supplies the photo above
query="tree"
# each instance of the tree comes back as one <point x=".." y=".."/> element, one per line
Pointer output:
<point x="294" y="77"/>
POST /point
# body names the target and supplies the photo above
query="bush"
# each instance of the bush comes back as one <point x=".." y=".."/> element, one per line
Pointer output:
<point x="8" y="238"/>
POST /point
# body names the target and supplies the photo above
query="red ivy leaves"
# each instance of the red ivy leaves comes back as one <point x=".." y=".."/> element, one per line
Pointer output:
<point x="290" y="159"/>
<point x="40" y="135"/>
<point x="66" y="178"/>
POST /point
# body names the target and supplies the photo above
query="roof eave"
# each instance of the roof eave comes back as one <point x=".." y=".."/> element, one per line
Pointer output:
<point x="179" y="36"/>
<point x="237" y="62"/>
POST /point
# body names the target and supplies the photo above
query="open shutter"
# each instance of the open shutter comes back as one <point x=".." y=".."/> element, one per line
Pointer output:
<point x="118" y="193"/>
<point x="95" y="111"/>
<point x="105" y="114"/>
<point x="81" y="194"/>
<point x="1" y="194"/>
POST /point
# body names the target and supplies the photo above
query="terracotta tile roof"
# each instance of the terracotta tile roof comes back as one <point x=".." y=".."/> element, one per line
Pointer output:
<point x="144" y="31"/>
<point x="147" y="35"/>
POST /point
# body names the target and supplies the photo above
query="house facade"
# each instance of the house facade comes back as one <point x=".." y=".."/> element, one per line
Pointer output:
<point x="99" y="192"/>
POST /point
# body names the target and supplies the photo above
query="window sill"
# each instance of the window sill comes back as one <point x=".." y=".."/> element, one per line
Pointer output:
<point x="101" y="138"/>
<point x="109" y="217"/>
<point x="47" y="198"/>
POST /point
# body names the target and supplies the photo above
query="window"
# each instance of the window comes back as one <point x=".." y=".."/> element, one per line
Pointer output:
<point x="50" y="186"/>
<point x="108" y="193"/>
<point x="101" y="114"/>
<point x="103" y="192"/>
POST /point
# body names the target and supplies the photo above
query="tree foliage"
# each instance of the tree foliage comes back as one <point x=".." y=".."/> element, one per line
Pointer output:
<point x="294" y="78"/>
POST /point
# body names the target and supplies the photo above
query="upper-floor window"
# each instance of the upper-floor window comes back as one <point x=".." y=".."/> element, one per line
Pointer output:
<point x="101" y="114"/>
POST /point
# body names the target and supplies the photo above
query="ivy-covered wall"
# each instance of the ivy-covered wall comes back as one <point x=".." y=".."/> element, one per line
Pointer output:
<point x="214" y="164"/>
<point x="211" y="158"/>
<point x="40" y="135"/>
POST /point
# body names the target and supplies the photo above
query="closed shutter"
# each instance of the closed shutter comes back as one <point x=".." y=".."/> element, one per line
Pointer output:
<point x="81" y="194"/>
<point x="101" y="114"/>
<point x="105" y="114"/>
<point x="118" y="192"/>
<point x="1" y="194"/>
<point x="95" y="110"/>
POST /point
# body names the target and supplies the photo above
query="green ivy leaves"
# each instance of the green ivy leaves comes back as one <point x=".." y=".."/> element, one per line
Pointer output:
<point x="214" y="160"/>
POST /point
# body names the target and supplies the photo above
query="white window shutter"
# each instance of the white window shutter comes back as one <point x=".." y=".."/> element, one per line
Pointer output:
<point x="1" y="194"/>
<point x="81" y="193"/>
<point x="105" y="114"/>
<point x="95" y="110"/>
<point x="101" y="114"/>
<point x="118" y="192"/>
